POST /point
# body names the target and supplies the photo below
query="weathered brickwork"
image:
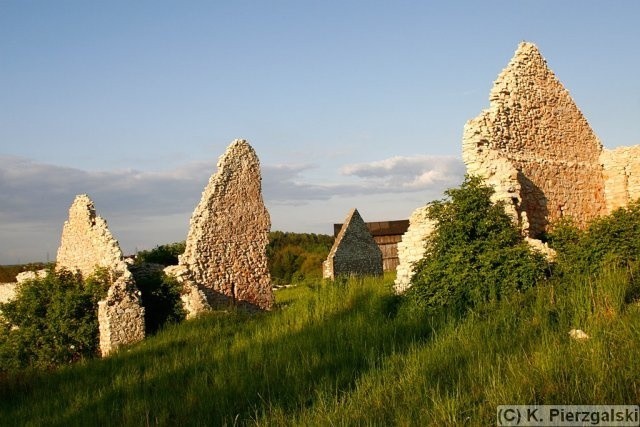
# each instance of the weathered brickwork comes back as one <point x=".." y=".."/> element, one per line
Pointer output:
<point x="535" y="126"/>
<point x="621" y="176"/>
<point x="225" y="257"/>
<point x="412" y="247"/>
<point x="7" y="291"/>
<point x="354" y="251"/>
<point x="120" y="315"/>
<point x="87" y="244"/>
<point x="536" y="149"/>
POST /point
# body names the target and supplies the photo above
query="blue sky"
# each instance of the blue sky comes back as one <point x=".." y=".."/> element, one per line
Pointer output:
<point x="348" y="103"/>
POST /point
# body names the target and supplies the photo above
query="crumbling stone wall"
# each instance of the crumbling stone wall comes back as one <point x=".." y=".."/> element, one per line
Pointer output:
<point x="225" y="256"/>
<point x="354" y="251"/>
<point x="7" y="292"/>
<point x="411" y="248"/>
<point x="621" y="176"/>
<point x="120" y="315"/>
<point x="87" y="244"/>
<point x="535" y="126"/>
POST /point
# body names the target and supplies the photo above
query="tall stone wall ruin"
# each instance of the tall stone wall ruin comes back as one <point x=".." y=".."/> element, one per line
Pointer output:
<point x="537" y="150"/>
<point x="225" y="256"/>
<point x="87" y="244"/>
<point x="533" y="125"/>
<point x="354" y="251"/>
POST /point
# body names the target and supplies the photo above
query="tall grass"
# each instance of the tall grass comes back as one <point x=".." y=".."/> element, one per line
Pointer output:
<point x="355" y="354"/>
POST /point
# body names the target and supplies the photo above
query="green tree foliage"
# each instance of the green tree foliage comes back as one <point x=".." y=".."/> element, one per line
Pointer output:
<point x="610" y="239"/>
<point x="52" y="321"/>
<point x="475" y="254"/>
<point x="162" y="254"/>
<point x="296" y="256"/>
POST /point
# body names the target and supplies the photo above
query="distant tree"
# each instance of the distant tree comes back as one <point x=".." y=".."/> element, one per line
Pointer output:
<point x="162" y="254"/>
<point x="296" y="256"/>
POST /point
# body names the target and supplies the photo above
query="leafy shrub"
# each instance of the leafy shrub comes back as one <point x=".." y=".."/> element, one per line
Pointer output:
<point x="475" y="255"/>
<point x="162" y="254"/>
<point x="52" y="321"/>
<point x="612" y="239"/>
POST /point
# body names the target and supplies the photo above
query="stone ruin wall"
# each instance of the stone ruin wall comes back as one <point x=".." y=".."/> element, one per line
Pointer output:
<point x="412" y="247"/>
<point x="225" y="257"/>
<point x="533" y="123"/>
<point x="535" y="147"/>
<point x="86" y="244"/>
<point x="354" y="251"/>
<point x="7" y="292"/>
<point x="621" y="176"/>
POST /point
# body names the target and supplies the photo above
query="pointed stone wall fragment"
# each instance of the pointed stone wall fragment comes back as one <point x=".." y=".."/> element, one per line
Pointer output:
<point x="552" y="167"/>
<point x="87" y="244"/>
<point x="225" y="256"/>
<point x="354" y="251"/>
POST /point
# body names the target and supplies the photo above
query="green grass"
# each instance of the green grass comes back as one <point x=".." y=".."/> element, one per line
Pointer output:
<point x="354" y="354"/>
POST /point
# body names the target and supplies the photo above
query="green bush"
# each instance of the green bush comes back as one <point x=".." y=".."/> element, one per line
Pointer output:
<point x="475" y="255"/>
<point x="612" y="239"/>
<point x="52" y="321"/>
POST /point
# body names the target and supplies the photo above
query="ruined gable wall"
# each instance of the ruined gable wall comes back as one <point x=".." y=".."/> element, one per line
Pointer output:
<point x="226" y="246"/>
<point x="86" y="241"/>
<point x="412" y="247"/>
<point x="534" y="124"/>
<point x="354" y="251"/>
<point x="621" y="175"/>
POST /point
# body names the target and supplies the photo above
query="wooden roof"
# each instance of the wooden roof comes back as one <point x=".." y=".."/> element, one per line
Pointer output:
<point x="382" y="228"/>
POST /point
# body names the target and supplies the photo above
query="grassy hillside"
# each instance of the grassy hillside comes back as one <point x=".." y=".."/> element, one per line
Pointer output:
<point x="355" y="354"/>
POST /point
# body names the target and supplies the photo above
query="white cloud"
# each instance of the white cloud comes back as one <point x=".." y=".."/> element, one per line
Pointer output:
<point x="149" y="208"/>
<point x="408" y="173"/>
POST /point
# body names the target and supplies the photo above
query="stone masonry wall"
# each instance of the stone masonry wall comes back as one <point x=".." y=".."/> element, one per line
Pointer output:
<point x="225" y="257"/>
<point x="120" y="316"/>
<point x="412" y="247"/>
<point x="621" y="175"/>
<point x="87" y="243"/>
<point x="7" y="292"/>
<point x="354" y="251"/>
<point x="533" y="123"/>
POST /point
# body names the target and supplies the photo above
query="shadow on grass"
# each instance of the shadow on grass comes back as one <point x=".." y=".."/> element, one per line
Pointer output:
<point x="224" y="368"/>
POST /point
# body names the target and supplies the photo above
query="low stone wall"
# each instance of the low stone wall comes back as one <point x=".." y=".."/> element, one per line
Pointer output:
<point x="621" y="176"/>
<point x="412" y="247"/>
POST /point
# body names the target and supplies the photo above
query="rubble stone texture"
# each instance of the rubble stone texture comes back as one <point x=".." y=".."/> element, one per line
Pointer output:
<point x="225" y="256"/>
<point x="621" y="175"/>
<point x="120" y="315"/>
<point x="87" y="244"/>
<point x="354" y="251"/>
<point x="536" y="149"/>
<point x="7" y="292"/>
<point x="411" y="248"/>
<point x="549" y="157"/>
